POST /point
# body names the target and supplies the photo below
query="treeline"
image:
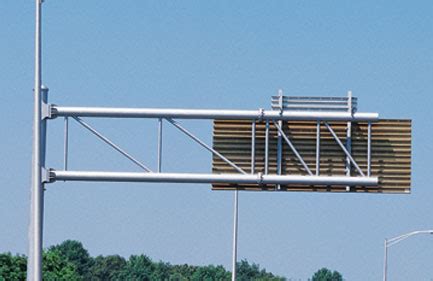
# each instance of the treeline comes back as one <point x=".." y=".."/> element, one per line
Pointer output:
<point x="71" y="261"/>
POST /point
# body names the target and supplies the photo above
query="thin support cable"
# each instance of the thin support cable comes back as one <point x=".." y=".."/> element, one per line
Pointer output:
<point x="203" y="144"/>
<point x="344" y="149"/>
<point x="110" y="143"/>
<point x="292" y="147"/>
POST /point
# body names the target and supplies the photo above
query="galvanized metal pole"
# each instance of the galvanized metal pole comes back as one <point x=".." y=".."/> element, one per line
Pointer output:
<point x="258" y="178"/>
<point x="267" y="147"/>
<point x="66" y="144"/>
<point x="369" y="150"/>
<point x="235" y="234"/>
<point x="34" y="265"/>
<point x="279" y="138"/>
<point x="171" y="113"/>
<point x="349" y="136"/>
<point x="318" y="148"/>
<point x="159" y="163"/>
<point x="253" y="147"/>
<point x="385" y="261"/>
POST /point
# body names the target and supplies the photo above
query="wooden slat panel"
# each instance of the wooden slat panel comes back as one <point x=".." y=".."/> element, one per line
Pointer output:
<point x="390" y="153"/>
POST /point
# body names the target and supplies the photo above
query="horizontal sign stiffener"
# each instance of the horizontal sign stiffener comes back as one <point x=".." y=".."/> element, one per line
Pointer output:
<point x="244" y="143"/>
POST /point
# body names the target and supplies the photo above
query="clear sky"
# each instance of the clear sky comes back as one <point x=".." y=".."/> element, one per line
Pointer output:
<point x="216" y="54"/>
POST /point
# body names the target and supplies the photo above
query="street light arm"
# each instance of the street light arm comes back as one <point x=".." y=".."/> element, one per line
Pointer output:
<point x="398" y="239"/>
<point x="395" y="240"/>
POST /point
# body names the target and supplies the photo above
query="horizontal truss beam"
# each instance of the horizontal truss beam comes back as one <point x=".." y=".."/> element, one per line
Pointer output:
<point x="208" y="178"/>
<point x="259" y="114"/>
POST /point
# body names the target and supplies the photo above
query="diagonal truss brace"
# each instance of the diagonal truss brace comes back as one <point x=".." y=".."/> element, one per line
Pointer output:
<point x="293" y="148"/>
<point x="203" y="144"/>
<point x="337" y="139"/>
<point x="112" y="144"/>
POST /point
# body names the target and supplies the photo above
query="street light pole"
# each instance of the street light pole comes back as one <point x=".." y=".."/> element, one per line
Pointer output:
<point x="390" y="242"/>
<point x="385" y="260"/>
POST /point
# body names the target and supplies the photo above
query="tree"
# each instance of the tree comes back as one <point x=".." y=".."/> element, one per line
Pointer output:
<point x="107" y="268"/>
<point x="325" y="274"/>
<point x="71" y="261"/>
<point x="210" y="273"/>
<point x="137" y="268"/>
<point x="12" y="267"/>
<point x="181" y="272"/>
<point x="246" y="272"/>
<point x="57" y="267"/>
<point x="75" y="253"/>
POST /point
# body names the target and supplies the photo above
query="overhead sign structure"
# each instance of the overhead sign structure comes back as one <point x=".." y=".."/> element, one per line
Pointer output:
<point x="301" y="144"/>
<point x="296" y="150"/>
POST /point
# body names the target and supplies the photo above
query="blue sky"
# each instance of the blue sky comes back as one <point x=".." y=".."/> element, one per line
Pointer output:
<point x="216" y="54"/>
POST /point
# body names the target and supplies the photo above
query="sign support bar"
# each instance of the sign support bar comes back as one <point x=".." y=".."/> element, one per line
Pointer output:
<point x="171" y="113"/>
<point x="208" y="178"/>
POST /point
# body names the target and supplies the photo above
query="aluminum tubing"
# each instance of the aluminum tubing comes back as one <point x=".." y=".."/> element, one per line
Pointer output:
<point x="208" y="178"/>
<point x="208" y="114"/>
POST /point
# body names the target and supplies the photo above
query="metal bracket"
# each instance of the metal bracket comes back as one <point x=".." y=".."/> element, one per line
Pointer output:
<point x="46" y="111"/>
<point x="261" y="114"/>
<point x="260" y="178"/>
<point x="45" y="175"/>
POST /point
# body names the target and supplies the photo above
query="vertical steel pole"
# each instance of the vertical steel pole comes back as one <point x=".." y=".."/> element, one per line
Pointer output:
<point x="267" y="147"/>
<point x="235" y="235"/>
<point x="253" y="147"/>
<point x="349" y="136"/>
<point x="385" y="261"/>
<point x="279" y="137"/>
<point x="318" y="149"/>
<point x="236" y="203"/>
<point x="66" y="144"/>
<point x="34" y="265"/>
<point x="369" y="150"/>
<point x="159" y="145"/>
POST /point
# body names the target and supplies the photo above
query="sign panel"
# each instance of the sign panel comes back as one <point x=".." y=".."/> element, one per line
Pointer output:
<point x="390" y="153"/>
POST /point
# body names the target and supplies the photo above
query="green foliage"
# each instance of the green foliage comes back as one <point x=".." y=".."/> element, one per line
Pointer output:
<point x="181" y="272"/>
<point x="12" y="267"/>
<point x="246" y="272"/>
<point x="75" y="253"/>
<point x="55" y="266"/>
<point x="325" y="274"/>
<point x="210" y="273"/>
<point x="107" y="268"/>
<point x="71" y="261"/>
<point x="137" y="268"/>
